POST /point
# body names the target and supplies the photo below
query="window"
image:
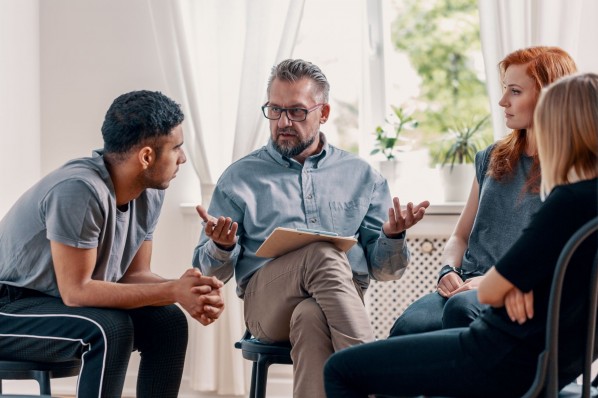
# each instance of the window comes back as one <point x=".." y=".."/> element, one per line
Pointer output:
<point x="433" y="67"/>
<point x="330" y="37"/>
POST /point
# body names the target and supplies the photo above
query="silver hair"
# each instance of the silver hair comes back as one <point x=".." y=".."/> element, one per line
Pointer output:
<point x="292" y="70"/>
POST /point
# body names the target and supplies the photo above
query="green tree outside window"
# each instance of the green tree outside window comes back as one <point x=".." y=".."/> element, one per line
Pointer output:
<point x="442" y="39"/>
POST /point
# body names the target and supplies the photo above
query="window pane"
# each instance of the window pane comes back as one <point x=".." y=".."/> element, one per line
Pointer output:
<point x="435" y="73"/>
<point x="334" y="45"/>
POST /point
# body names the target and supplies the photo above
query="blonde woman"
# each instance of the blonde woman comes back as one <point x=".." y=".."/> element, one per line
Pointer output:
<point x="496" y="355"/>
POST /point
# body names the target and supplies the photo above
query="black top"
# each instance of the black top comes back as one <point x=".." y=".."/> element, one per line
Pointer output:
<point x="529" y="264"/>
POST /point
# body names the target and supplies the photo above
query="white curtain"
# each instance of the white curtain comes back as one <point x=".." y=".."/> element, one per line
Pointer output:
<point x="216" y="56"/>
<point x="508" y="25"/>
<point x="372" y="101"/>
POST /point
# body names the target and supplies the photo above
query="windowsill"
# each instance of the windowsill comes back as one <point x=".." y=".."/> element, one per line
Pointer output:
<point x="446" y="208"/>
<point x="437" y="209"/>
<point x="188" y="208"/>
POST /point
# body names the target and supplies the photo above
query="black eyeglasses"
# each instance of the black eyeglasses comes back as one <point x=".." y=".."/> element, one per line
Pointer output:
<point x="293" y="114"/>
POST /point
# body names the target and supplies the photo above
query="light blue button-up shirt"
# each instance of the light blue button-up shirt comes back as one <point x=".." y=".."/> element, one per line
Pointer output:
<point x="332" y="191"/>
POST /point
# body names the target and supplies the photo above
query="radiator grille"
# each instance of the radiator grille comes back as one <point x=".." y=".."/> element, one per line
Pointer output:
<point x="385" y="301"/>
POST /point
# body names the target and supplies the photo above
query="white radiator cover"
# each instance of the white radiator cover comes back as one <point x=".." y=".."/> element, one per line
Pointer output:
<point x="385" y="301"/>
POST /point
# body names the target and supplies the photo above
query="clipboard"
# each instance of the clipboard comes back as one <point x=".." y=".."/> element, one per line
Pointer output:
<point x="284" y="240"/>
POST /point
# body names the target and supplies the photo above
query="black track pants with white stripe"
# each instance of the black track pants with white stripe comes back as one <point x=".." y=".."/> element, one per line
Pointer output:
<point x="43" y="328"/>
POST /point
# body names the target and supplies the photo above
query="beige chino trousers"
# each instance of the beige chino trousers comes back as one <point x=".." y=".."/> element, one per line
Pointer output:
<point x="308" y="297"/>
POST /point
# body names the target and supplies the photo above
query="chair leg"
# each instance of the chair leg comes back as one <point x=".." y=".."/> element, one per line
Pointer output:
<point x="261" y="379"/>
<point x="253" y="376"/>
<point x="43" y="378"/>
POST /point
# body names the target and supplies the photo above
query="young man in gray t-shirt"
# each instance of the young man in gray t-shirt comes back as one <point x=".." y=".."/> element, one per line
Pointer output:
<point x="75" y="259"/>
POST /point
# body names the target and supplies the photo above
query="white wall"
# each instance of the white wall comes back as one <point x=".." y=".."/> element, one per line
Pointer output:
<point x="587" y="57"/>
<point x="19" y="99"/>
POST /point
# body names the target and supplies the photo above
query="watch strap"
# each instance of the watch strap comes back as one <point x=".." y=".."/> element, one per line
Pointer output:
<point x="447" y="269"/>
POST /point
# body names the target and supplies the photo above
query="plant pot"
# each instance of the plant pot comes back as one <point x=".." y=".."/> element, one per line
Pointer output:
<point x="391" y="170"/>
<point x="456" y="181"/>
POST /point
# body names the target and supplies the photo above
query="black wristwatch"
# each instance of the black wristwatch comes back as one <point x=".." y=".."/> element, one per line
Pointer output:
<point x="446" y="269"/>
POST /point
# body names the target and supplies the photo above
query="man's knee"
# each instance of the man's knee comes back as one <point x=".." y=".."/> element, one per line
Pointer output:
<point x="318" y="254"/>
<point x="307" y="318"/>
<point x="307" y="312"/>
<point x="155" y="325"/>
<point x="115" y="326"/>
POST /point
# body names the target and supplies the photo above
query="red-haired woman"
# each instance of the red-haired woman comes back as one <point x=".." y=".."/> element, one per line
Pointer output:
<point x="503" y="197"/>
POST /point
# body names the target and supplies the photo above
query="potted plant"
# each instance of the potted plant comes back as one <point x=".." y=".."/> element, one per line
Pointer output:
<point x="456" y="169"/>
<point x="388" y="138"/>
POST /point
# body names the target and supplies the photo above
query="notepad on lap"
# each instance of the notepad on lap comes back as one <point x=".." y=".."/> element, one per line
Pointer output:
<point x="284" y="240"/>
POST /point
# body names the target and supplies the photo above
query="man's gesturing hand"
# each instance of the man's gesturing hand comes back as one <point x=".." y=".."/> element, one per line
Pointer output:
<point x="222" y="230"/>
<point x="400" y="220"/>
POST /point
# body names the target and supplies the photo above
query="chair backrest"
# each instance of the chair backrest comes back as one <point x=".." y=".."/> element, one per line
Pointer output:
<point x="547" y="372"/>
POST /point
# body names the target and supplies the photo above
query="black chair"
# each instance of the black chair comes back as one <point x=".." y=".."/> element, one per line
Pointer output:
<point x="547" y="372"/>
<point x="262" y="355"/>
<point x="40" y="371"/>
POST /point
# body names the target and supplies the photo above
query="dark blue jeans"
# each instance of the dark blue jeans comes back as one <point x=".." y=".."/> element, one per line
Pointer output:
<point x="434" y="312"/>
<point x="37" y="327"/>
<point x="433" y="363"/>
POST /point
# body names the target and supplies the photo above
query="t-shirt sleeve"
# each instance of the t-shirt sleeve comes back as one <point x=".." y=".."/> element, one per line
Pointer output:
<point x="73" y="214"/>
<point x="482" y="159"/>
<point x="534" y="255"/>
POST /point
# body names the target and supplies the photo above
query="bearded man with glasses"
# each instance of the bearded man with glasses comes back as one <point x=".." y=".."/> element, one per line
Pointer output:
<point x="312" y="296"/>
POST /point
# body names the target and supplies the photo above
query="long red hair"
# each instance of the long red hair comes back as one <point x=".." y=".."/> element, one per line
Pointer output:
<point x="544" y="65"/>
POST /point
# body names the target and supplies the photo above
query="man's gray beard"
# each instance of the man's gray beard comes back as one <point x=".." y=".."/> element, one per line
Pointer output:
<point x="296" y="150"/>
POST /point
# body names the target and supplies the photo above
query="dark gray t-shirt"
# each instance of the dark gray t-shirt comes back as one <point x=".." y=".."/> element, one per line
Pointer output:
<point x="74" y="205"/>
<point x="504" y="209"/>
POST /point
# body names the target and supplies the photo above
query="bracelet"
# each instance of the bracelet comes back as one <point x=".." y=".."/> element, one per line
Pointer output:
<point x="446" y="269"/>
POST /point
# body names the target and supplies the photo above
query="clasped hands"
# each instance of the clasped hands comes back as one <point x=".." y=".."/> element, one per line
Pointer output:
<point x="200" y="296"/>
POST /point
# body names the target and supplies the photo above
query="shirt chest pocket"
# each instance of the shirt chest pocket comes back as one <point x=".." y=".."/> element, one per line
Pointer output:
<point x="347" y="216"/>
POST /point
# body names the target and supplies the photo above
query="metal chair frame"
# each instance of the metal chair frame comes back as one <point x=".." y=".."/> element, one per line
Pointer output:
<point x="547" y="371"/>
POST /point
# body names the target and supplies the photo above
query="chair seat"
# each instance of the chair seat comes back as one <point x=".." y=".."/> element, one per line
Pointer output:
<point x="278" y="352"/>
<point x="40" y="371"/>
<point x="20" y="370"/>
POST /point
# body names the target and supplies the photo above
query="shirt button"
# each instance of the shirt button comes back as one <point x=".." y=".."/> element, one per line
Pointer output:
<point x="313" y="220"/>
<point x="309" y="196"/>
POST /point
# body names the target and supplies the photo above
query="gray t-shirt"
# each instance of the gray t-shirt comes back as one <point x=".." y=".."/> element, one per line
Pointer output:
<point x="74" y="205"/>
<point x="504" y="209"/>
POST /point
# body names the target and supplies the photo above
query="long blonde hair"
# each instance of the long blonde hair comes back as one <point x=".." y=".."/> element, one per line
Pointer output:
<point x="566" y="129"/>
<point x="544" y="65"/>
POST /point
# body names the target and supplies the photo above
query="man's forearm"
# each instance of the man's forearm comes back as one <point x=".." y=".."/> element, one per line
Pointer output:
<point x="142" y="277"/>
<point x="121" y="295"/>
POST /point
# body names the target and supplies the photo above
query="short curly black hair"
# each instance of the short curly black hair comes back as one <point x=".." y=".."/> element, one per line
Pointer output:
<point x="137" y="116"/>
